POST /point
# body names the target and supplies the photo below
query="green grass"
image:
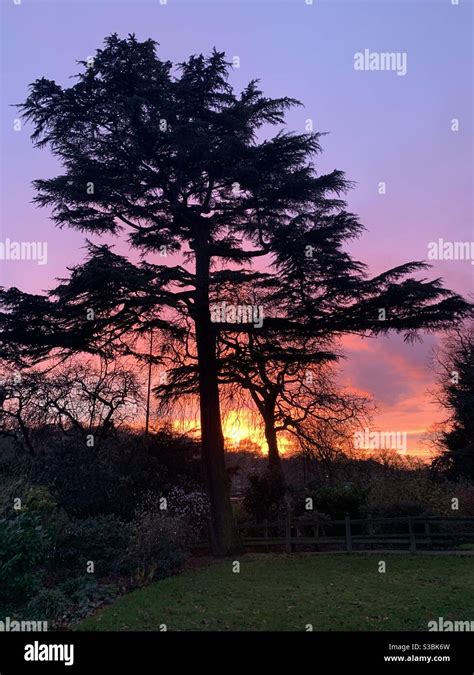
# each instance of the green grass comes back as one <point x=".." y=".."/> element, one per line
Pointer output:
<point x="280" y="592"/>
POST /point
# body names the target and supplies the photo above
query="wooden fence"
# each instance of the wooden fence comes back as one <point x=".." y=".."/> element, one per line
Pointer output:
<point x="350" y="534"/>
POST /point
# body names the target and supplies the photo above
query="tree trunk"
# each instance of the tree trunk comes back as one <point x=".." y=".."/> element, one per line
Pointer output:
<point x="274" y="460"/>
<point x="223" y="533"/>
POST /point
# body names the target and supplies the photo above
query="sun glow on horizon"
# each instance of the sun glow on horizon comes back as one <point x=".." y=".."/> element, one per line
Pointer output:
<point x="240" y="429"/>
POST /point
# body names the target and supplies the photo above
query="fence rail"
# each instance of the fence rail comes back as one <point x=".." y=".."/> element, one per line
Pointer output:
<point x="411" y="533"/>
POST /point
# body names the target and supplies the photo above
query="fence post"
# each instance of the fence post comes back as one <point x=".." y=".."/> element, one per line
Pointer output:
<point x="288" y="531"/>
<point x="411" y="531"/>
<point x="428" y="535"/>
<point x="348" y="534"/>
<point x="370" y="526"/>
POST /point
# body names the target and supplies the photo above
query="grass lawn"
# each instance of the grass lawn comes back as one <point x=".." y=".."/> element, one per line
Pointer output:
<point x="281" y="592"/>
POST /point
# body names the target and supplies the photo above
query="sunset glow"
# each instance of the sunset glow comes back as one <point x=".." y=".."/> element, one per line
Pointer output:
<point x="241" y="432"/>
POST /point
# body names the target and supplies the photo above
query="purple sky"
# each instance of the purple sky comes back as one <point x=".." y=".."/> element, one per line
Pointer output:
<point x="383" y="127"/>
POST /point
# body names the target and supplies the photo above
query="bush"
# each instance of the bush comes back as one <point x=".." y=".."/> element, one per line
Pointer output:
<point x="264" y="497"/>
<point x="88" y="482"/>
<point x="10" y="488"/>
<point x="39" y="503"/>
<point x="23" y="558"/>
<point x="157" y="547"/>
<point x="403" y="493"/>
<point x="464" y="492"/>
<point x="101" y="540"/>
<point x="403" y="507"/>
<point x="86" y="594"/>
<point x="49" y="604"/>
<point x="70" y="601"/>
<point x="334" y="501"/>
<point x="191" y="506"/>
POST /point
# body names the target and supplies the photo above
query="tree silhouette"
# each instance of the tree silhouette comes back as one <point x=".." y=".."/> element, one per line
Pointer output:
<point x="78" y="398"/>
<point x="455" y="365"/>
<point x="173" y="159"/>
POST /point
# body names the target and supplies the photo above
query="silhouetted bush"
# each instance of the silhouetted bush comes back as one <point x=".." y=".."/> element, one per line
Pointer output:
<point x="157" y="546"/>
<point x="24" y="548"/>
<point x="101" y="540"/>
<point x="111" y="479"/>
<point x="264" y="497"/>
<point x="335" y="501"/>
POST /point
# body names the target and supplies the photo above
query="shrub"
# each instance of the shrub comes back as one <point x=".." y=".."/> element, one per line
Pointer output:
<point x="70" y="601"/>
<point x="86" y="594"/>
<point x="403" y="507"/>
<point x="334" y="501"/>
<point x="49" y="604"/>
<point x="88" y="482"/>
<point x="23" y="558"/>
<point x="40" y="504"/>
<point x="101" y="540"/>
<point x="464" y="492"/>
<point x="10" y="488"/>
<point x="157" y="547"/>
<point x="264" y="497"/>
<point x="191" y="506"/>
<point x="414" y="493"/>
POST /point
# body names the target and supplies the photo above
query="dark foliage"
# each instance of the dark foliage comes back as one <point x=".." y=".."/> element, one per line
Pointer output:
<point x="24" y="553"/>
<point x="456" y="379"/>
<point x="335" y="501"/>
<point x="264" y="498"/>
<point x="112" y="480"/>
<point x="102" y="540"/>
